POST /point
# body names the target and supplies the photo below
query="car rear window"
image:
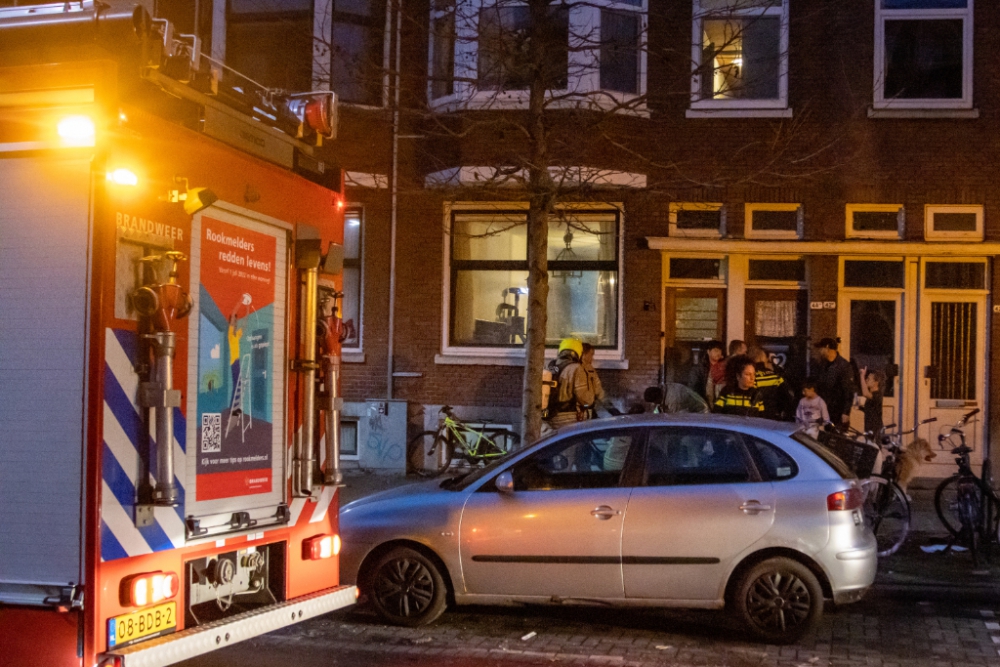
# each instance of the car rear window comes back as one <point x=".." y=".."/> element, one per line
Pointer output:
<point x="775" y="464"/>
<point x="821" y="451"/>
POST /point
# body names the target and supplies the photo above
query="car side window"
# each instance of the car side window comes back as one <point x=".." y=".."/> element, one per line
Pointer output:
<point x="774" y="463"/>
<point x="590" y="461"/>
<point x="681" y="456"/>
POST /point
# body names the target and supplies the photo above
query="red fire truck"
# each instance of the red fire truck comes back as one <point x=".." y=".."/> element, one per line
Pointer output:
<point x="170" y="244"/>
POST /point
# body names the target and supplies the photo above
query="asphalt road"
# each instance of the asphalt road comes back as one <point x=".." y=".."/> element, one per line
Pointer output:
<point x="880" y="631"/>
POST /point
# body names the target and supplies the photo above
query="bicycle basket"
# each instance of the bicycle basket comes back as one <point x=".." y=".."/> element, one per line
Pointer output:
<point x="859" y="456"/>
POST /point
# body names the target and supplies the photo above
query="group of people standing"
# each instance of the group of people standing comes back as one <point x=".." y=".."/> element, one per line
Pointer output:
<point x="745" y="382"/>
<point x="748" y="383"/>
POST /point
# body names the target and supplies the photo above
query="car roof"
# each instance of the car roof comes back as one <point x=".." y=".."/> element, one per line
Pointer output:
<point x="750" y="425"/>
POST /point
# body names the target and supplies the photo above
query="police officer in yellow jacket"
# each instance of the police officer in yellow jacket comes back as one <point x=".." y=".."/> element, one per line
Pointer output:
<point x="740" y="396"/>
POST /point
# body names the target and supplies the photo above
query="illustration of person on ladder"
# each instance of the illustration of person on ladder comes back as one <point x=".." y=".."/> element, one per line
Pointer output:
<point x="235" y="335"/>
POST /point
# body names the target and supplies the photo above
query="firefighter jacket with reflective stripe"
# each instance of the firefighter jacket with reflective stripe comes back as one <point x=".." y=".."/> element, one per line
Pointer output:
<point x="740" y="402"/>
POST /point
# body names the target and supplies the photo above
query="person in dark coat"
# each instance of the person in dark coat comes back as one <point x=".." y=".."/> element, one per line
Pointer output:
<point x="835" y="382"/>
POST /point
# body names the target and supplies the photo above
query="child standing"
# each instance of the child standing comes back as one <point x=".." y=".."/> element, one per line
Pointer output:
<point x="871" y="390"/>
<point x="812" y="409"/>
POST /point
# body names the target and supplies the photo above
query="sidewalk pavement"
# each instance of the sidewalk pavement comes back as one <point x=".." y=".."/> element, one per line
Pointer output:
<point x="910" y="571"/>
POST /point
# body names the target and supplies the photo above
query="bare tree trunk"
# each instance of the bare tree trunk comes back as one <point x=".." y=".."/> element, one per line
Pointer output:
<point x="541" y="198"/>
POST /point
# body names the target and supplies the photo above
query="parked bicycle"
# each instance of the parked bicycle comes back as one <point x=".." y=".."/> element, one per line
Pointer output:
<point x="886" y="507"/>
<point x="967" y="505"/>
<point x="454" y="439"/>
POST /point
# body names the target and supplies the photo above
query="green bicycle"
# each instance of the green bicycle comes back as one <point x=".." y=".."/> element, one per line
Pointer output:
<point x="454" y="439"/>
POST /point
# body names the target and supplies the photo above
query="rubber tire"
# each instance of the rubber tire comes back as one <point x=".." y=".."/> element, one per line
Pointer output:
<point x="891" y="522"/>
<point x="946" y="504"/>
<point x="969" y="511"/>
<point x="424" y="594"/>
<point x="505" y="439"/>
<point x="441" y="462"/>
<point x="754" y="595"/>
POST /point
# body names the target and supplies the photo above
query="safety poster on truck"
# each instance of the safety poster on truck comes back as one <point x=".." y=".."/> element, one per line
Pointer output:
<point x="236" y="346"/>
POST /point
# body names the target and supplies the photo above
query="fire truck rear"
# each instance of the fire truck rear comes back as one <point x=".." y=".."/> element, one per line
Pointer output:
<point x="170" y="251"/>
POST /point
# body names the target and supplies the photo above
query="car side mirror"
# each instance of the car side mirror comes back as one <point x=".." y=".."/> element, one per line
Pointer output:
<point x="504" y="482"/>
<point x="653" y="395"/>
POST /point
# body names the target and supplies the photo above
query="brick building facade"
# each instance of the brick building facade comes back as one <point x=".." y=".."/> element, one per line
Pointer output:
<point x="770" y="170"/>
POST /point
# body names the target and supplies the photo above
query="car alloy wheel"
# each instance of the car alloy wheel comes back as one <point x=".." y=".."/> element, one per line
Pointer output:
<point x="778" y="600"/>
<point x="407" y="588"/>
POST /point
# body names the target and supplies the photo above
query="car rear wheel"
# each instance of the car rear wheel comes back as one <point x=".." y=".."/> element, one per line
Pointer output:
<point x="407" y="588"/>
<point x="778" y="600"/>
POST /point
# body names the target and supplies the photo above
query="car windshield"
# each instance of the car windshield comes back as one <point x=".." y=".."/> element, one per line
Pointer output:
<point x="463" y="481"/>
<point x="824" y="453"/>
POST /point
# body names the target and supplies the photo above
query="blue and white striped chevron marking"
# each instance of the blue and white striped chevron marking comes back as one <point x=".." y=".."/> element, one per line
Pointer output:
<point x="120" y="459"/>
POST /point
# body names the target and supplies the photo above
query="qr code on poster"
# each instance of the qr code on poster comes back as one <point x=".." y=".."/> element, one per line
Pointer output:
<point x="211" y="432"/>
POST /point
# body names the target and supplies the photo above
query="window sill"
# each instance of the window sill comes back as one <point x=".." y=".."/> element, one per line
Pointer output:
<point x="597" y="101"/>
<point x="929" y="114"/>
<point x="739" y="113"/>
<point x="487" y="359"/>
<point x="352" y="357"/>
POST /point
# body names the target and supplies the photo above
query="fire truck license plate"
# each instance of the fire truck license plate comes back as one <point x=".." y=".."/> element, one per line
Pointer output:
<point x="143" y="624"/>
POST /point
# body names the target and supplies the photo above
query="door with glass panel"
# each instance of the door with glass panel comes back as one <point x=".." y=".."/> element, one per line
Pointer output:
<point x="871" y="338"/>
<point x="777" y="322"/>
<point x="693" y="317"/>
<point x="952" y="353"/>
<point x="870" y="325"/>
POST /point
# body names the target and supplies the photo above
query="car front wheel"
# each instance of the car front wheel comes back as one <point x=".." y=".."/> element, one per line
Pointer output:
<point x="407" y="588"/>
<point x="778" y="600"/>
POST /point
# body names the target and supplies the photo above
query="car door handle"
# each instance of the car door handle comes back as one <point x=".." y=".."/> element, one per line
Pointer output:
<point x="754" y="507"/>
<point x="603" y="512"/>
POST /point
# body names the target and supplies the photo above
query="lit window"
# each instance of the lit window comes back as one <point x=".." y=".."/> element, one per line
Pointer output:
<point x="773" y="221"/>
<point x="953" y="223"/>
<point x="740" y="54"/>
<point x="479" y="53"/>
<point x="489" y="271"/>
<point x="351" y="303"/>
<point x="875" y="221"/>
<point x="697" y="219"/>
<point x="923" y="54"/>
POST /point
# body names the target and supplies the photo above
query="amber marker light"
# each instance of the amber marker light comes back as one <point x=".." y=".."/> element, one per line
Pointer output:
<point x="76" y="130"/>
<point x="319" y="547"/>
<point x="149" y="588"/>
<point x="123" y="177"/>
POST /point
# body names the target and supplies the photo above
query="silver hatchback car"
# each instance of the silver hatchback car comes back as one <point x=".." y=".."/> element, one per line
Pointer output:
<point x="650" y="510"/>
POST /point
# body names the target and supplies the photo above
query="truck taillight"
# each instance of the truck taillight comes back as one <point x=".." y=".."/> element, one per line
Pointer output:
<point x="149" y="588"/>
<point x="318" y="547"/>
<point x="850" y="499"/>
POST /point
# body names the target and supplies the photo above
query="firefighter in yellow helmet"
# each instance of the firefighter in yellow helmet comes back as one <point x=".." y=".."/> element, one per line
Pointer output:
<point x="573" y="395"/>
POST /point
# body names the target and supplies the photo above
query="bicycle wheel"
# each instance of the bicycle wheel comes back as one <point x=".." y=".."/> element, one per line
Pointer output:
<point x="969" y="499"/>
<point x="947" y="506"/>
<point x="887" y="512"/>
<point x="429" y="444"/>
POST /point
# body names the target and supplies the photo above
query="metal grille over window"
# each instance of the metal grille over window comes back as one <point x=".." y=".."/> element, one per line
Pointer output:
<point x="953" y="351"/>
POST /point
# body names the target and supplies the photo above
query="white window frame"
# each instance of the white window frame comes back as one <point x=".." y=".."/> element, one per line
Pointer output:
<point x="720" y="281"/>
<point x="931" y="234"/>
<point x="514" y="356"/>
<point x="924" y="261"/>
<point x="883" y="15"/>
<point x="584" y="77"/>
<point x="777" y="284"/>
<point x="851" y="209"/>
<point x="357" y="353"/>
<point x="780" y="9"/>
<point x="674" y="207"/>
<point x="895" y="259"/>
<point x="751" y="233"/>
